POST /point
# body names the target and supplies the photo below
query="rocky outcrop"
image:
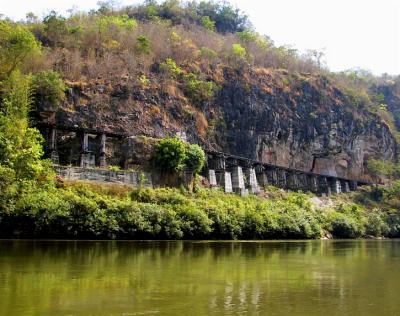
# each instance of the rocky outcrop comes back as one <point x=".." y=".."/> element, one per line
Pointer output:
<point x="299" y="121"/>
<point x="302" y="122"/>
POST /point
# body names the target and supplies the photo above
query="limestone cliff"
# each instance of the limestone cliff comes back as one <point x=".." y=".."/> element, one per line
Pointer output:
<point x="298" y="120"/>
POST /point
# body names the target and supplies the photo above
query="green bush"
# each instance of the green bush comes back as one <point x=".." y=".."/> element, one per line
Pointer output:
<point x="348" y="221"/>
<point x="82" y="211"/>
<point x="48" y="89"/>
<point x="143" y="44"/>
<point x="170" y="154"/>
<point x="239" y="51"/>
<point x="195" y="158"/>
<point x="376" y="223"/>
<point x="208" y="23"/>
<point x="169" y="66"/>
<point x="173" y="154"/>
<point x="199" y="90"/>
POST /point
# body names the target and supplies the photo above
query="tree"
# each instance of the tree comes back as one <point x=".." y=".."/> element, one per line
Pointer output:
<point x="48" y="89"/>
<point x="32" y="17"/>
<point x="195" y="158"/>
<point x="109" y="6"/>
<point x="173" y="154"/>
<point x="208" y="23"/>
<point x="238" y="51"/>
<point x="16" y="45"/>
<point x="55" y="27"/>
<point x="170" y="154"/>
<point x="143" y="44"/>
<point x="20" y="146"/>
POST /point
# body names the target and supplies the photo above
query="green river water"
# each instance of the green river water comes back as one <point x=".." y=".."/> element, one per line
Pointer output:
<point x="356" y="277"/>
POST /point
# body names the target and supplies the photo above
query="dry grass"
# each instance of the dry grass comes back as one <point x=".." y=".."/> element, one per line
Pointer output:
<point x="201" y="124"/>
<point x="114" y="190"/>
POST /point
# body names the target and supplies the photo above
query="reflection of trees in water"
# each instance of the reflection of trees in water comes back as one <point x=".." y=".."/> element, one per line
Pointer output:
<point x="205" y="276"/>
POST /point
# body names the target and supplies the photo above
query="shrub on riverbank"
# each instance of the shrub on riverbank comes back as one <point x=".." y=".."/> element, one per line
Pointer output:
<point x="94" y="211"/>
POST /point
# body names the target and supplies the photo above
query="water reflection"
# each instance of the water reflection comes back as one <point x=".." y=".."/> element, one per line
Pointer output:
<point x="201" y="278"/>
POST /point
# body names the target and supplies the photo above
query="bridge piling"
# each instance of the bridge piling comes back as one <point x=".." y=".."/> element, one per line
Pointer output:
<point x="212" y="178"/>
<point x="238" y="184"/>
<point x="102" y="156"/>
<point x="226" y="181"/>
<point x="252" y="180"/>
<point x="53" y="146"/>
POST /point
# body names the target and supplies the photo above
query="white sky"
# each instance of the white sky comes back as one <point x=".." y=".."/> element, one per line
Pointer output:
<point x="352" y="33"/>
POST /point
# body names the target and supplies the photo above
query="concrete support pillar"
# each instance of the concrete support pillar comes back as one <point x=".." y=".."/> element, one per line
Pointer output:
<point x="313" y="183"/>
<point x="226" y="182"/>
<point x="85" y="142"/>
<point x="86" y="157"/>
<point x="103" y="159"/>
<point x="252" y="181"/>
<point x="212" y="179"/>
<point x="53" y="147"/>
<point x="238" y="180"/>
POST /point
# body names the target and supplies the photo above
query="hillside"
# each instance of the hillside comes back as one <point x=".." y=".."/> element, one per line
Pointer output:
<point x="199" y="69"/>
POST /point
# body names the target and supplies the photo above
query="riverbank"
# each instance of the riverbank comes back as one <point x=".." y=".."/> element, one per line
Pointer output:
<point x="90" y="211"/>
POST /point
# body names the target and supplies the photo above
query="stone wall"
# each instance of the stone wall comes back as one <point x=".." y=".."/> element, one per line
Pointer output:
<point x="131" y="178"/>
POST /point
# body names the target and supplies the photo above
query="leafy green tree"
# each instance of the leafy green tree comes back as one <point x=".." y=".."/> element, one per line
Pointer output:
<point x="16" y="45"/>
<point x="143" y="44"/>
<point x="199" y="90"/>
<point x="248" y="37"/>
<point x="55" y="27"/>
<point x="20" y="146"/>
<point x="238" y="51"/>
<point x="49" y="89"/>
<point x="195" y="158"/>
<point x="171" y="67"/>
<point x="170" y="154"/>
<point x="173" y="154"/>
<point x="208" y="23"/>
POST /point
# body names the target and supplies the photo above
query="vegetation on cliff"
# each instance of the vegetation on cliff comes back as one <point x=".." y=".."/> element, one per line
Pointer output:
<point x="183" y="48"/>
<point x="186" y="51"/>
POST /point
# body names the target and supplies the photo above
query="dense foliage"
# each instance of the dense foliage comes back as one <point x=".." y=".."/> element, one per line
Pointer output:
<point x="187" y="46"/>
<point x="49" y="89"/>
<point x="89" y="211"/>
<point x="173" y="154"/>
<point x="199" y="39"/>
<point x="213" y="15"/>
<point x="169" y="154"/>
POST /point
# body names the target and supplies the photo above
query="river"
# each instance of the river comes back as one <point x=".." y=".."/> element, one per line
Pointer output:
<point x="354" y="277"/>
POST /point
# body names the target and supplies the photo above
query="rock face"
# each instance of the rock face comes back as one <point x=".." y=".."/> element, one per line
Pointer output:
<point x="299" y="121"/>
<point x="310" y="126"/>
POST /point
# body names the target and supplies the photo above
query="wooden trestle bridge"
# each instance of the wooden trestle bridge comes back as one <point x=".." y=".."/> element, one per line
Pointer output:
<point x="233" y="173"/>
